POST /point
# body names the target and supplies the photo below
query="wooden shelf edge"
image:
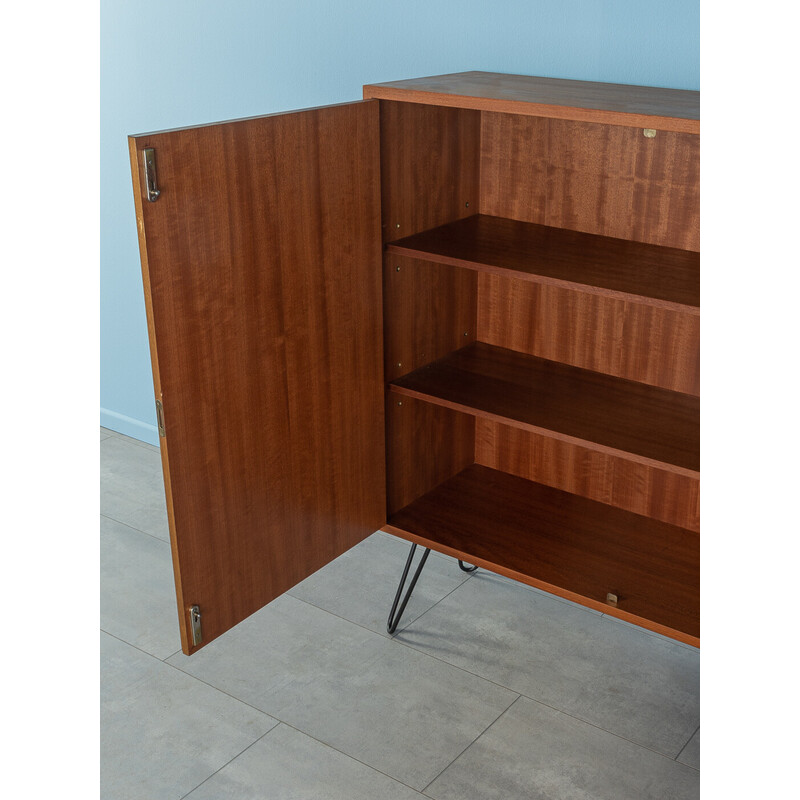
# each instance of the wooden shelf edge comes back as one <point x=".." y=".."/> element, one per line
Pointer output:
<point x="558" y="591"/>
<point x="543" y="280"/>
<point x="526" y="108"/>
<point x="556" y="435"/>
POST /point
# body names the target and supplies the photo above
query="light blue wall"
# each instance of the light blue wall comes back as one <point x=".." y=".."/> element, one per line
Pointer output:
<point x="168" y="63"/>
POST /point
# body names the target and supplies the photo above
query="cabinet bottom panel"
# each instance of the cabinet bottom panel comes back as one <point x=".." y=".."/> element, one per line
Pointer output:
<point x="638" y="569"/>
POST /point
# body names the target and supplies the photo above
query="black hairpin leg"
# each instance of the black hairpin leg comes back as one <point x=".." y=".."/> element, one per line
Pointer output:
<point x="394" y="619"/>
<point x="395" y="614"/>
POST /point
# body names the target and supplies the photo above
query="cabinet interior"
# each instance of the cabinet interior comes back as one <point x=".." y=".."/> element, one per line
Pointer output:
<point x="541" y="340"/>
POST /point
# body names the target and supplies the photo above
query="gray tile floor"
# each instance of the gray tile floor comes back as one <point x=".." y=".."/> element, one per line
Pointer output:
<point x="489" y="690"/>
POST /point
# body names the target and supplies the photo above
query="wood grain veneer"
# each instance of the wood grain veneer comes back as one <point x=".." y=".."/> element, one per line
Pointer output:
<point x="429" y="311"/>
<point x="262" y="262"/>
<point x="641" y="488"/>
<point x="645" y="343"/>
<point x="628" y="270"/>
<point x="566" y="544"/>
<point x="643" y="423"/>
<point x="430" y="166"/>
<point x="601" y="179"/>
<point x="607" y="103"/>
<point x="425" y="445"/>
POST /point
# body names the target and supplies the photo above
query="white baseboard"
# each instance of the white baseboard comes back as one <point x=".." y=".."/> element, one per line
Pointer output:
<point x="143" y="431"/>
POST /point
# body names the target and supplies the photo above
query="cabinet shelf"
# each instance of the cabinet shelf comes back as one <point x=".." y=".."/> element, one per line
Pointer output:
<point x="566" y="544"/>
<point x="641" y="422"/>
<point x="653" y="275"/>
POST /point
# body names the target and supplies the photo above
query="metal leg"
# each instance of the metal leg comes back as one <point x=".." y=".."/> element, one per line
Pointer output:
<point x="395" y="614"/>
<point x="394" y="619"/>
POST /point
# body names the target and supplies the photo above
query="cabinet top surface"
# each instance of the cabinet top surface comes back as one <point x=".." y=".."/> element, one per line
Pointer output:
<point x="610" y="103"/>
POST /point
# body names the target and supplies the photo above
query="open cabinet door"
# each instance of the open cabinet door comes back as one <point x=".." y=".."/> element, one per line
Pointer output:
<point x="260" y="247"/>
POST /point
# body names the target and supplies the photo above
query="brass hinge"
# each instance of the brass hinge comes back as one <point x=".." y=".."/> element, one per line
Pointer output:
<point x="197" y="630"/>
<point x="160" y="418"/>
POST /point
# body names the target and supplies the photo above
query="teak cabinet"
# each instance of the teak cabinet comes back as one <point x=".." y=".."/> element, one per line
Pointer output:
<point x="464" y="310"/>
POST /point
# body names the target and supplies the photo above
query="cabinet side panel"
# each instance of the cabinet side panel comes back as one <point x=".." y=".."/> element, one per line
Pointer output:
<point x="643" y="489"/>
<point x="430" y="166"/>
<point x="425" y="445"/>
<point x="643" y="343"/>
<point x="603" y="179"/>
<point x="429" y="311"/>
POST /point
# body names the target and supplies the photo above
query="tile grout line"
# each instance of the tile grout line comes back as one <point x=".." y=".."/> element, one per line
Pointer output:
<point x="387" y="636"/>
<point x="490" y="725"/>
<point x="347" y="755"/>
<point x="146" y="653"/>
<point x="468" y="577"/>
<point x="287" y="724"/>
<point x="131" y="440"/>
<point x="273" y="716"/>
<point x="134" y="528"/>
<point x="342" y="752"/>
<point x="190" y="675"/>
<point x="230" y="760"/>
<point x="546" y="705"/>
<point x="606" y="731"/>
<point x="686" y="744"/>
<point x="489" y="680"/>
<point x="277" y="719"/>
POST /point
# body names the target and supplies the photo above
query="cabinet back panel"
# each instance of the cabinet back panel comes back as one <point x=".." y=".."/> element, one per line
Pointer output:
<point x="430" y="166"/>
<point x="643" y="489"/>
<point x="604" y="179"/>
<point x="429" y="311"/>
<point x="643" y="343"/>
<point x="425" y="445"/>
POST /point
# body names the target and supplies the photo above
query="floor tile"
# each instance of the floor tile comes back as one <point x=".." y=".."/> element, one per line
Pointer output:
<point x="386" y="705"/>
<point x="536" y="753"/>
<point x="288" y="765"/>
<point x="361" y="584"/>
<point x="105" y="433"/>
<point x="691" y="753"/>
<point x="641" y="687"/>
<point x="163" y="732"/>
<point x="132" y="486"/>
<point x="137" y="591"/>
<point x="139" y="443"/>
<point x="646" y="632"/>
